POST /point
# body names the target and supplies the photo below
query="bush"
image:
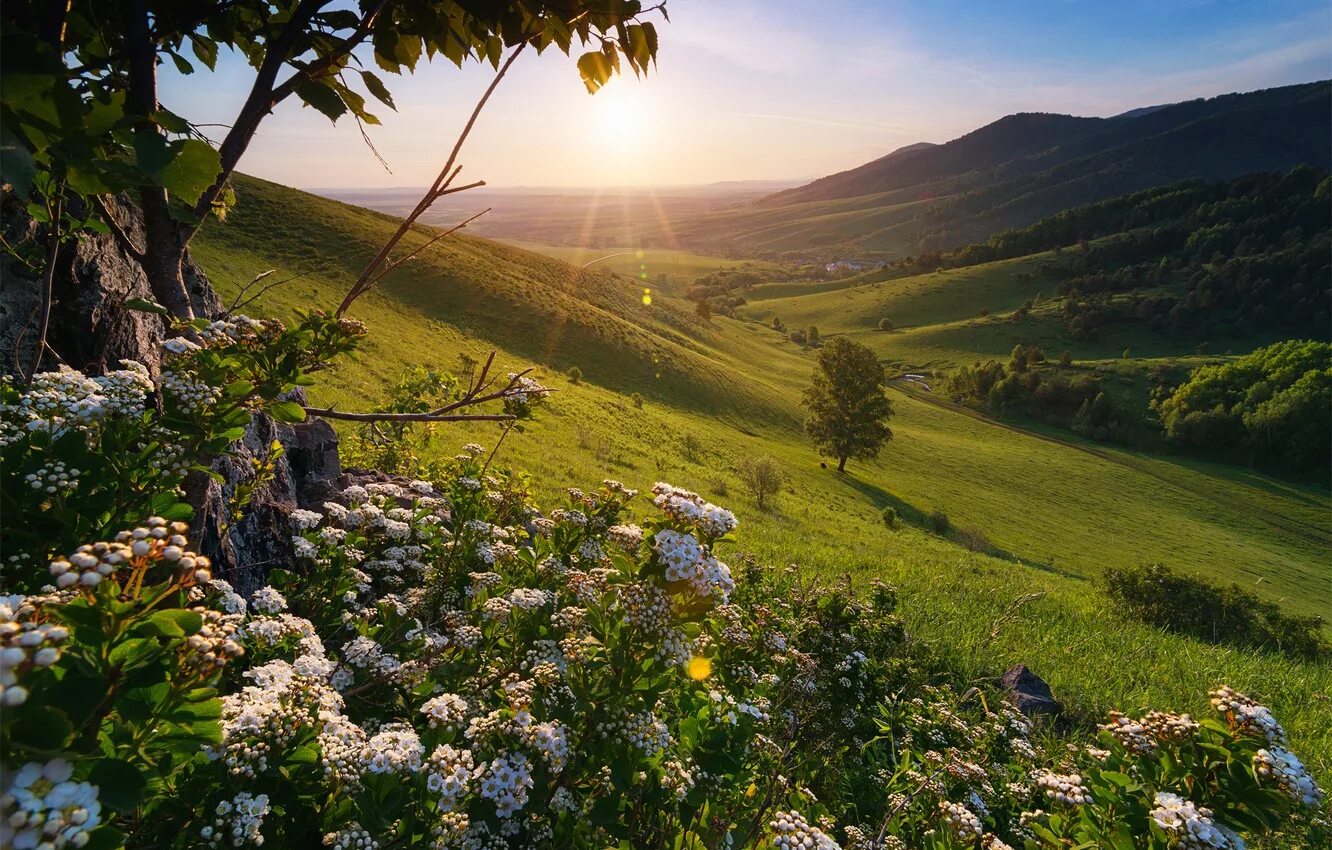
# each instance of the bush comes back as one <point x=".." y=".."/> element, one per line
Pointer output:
<point x="889" y="517"/>
<point x="1066" y="359"/>
<point x="762" y="477"/>
<point x="885" y="324"/>
<point x="1155" y="594"/>
<point x="637" y="399"/>
<point x="973" y="538"/>
<point x="939" y="522"/>
<point x="575" y="375"/>
<point x="447" y="664"/>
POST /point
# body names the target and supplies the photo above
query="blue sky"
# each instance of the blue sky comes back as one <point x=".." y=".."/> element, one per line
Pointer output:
<point x="755" y="89"/>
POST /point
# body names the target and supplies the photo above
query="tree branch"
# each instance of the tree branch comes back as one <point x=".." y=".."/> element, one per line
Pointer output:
<point x="122" y="236"/>
<point x="375" y="270"/>
<point x="262" y="99"/>
<point x="330" y="413"/>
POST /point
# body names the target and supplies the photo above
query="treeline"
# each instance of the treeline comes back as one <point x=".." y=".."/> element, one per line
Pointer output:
<point x="1274" y="407"/>
<point x="1206" y="258"/>
<point x="1070" y="400"/>
<point x="723" y="290"/>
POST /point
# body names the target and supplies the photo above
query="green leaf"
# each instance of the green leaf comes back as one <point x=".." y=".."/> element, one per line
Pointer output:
<point x="377" y="89"/>
<point x="143" y="305"/>
<point x="286" y="411"/>
<point x="171" y="622"/>
<point x="321" y="97"/>
<point x="205" y="49"/>
<point x="17" y="168"/>
<point x="42" y="727"/>
<point x="105" y="838"/>
<point x="595" y="70"/>
<point x="120" y="785"/>
<point x="193" y="168"/>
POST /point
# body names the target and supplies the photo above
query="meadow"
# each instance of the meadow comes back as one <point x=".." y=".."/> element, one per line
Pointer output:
<point x="1055" y="510"/>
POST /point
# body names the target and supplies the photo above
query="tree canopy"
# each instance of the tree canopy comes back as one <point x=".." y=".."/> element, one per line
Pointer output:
<point x="82" y="119"/>
<point x="848" y="407"/>
<point x="1276" y="403"/>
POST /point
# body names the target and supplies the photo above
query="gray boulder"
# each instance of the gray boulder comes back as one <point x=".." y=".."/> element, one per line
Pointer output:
<point x="1029" y="692"/>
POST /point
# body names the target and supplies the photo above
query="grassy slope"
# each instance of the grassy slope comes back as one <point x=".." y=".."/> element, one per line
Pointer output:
<point x="648" y="265"/>
<point x="734" y="389"/>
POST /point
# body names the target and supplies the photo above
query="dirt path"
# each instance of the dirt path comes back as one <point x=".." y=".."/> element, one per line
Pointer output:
<point x="1314" y="534"/>
<point x="607" y="257"/>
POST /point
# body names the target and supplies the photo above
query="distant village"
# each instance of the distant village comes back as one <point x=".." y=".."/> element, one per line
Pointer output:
<point x="853" y="265"/>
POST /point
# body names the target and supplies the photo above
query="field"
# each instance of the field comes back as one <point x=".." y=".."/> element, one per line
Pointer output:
<point x="660" y="268"/>
<point x="1056" y="510"/>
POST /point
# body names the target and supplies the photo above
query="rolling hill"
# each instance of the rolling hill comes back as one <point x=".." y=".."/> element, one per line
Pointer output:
<point x="1042" y="514"/>
<point x="1020" y="168"/>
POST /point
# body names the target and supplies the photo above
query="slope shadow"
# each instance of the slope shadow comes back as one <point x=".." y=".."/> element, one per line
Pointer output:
<point x="920" y="518"/>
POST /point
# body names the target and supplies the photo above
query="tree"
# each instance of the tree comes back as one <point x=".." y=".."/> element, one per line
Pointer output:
<point x="83" y="122"/>
<point x="885" y="324"/>
<point x="847" y="402"/>
<point x="762" y="477"/>
<point x="812" y="335"/>
<point x="703" y="310"/>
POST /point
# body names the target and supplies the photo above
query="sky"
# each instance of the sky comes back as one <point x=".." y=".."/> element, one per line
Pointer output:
<point x="783" y="89"/>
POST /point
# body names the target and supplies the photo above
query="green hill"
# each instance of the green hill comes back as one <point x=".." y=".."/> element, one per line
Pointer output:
<point x="1020" y="168"/>
<point x="1047" y="514"/>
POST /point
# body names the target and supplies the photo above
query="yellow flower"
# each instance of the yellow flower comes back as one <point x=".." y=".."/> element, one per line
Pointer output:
<point x="699" y="668"/>
<point x="751" y="791"/>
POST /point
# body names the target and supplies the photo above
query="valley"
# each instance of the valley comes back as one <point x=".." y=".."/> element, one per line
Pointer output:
<point x="1045" y="510"/>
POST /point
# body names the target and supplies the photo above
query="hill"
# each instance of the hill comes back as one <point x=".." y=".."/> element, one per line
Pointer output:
<point x="1031" y="507"/>
<point x="1021" y="168"/>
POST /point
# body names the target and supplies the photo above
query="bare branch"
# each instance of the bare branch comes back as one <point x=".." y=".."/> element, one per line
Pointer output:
<point x="393" y="265"/>
<point x="330" y="413"/>
<point x="122" y="236"/>
<point x="375" y="270"/>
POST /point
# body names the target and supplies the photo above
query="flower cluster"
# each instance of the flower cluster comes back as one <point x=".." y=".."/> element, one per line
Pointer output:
<point x="26" y="642"/>
<point x="1191" y="827"/>
<point x="41" y="807"/>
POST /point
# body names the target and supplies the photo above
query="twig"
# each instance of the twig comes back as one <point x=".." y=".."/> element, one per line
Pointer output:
<point x="48" y="282"/>
<point x="330" y="413"/>
<point x="375" y="270"/>
<point x="121" y="235"/>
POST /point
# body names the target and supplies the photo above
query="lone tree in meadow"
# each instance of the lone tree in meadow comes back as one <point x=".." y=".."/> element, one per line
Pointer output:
<point x="848" y="407"/>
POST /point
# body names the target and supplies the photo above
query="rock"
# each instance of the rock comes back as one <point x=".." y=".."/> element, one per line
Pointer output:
<point x="245" y="550"/>
<point x="90" y="329"/>
<point x="1030" y="693"/>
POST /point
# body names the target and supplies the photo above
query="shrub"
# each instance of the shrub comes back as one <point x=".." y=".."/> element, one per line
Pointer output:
<point x="445" y="664"/>
<point x="885" y="324"/>
<point x="637" y="399"/>
<point x="762" y="477"/>
<point x="939" y="522"/>
<point x="1066" y="359"/>
<point x="889" y="517"/>
<point x="797" y="336"/>
<point x="575" y="375"/>
<point x="691" y="447"/>
<point x="1164" y="598"/>
<point x="973" y="538"/>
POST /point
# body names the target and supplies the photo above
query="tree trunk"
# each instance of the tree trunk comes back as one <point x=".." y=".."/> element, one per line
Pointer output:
<point x="841" y="464"/>
<point x="164" y="254"/>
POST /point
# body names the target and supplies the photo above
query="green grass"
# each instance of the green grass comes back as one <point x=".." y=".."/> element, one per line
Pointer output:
<point x="1056" y="510"/>
<point x="661" y="269"/>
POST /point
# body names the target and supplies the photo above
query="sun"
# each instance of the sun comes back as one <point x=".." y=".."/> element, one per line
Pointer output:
<point x="622" y="119"/>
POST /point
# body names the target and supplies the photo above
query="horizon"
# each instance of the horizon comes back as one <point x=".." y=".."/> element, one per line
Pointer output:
<point x="813" y="103"/>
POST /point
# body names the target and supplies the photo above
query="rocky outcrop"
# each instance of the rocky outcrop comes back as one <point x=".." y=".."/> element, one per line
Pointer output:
<point x="92" y="331"/>
<point x="1029" y="692"/>
<point x="245" y="546"/>
<point x="90" y="328"/>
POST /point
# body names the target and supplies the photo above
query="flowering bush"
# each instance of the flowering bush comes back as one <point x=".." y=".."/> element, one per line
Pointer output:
<point x="446" y="665"/>
<point x="80" y="456"/>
